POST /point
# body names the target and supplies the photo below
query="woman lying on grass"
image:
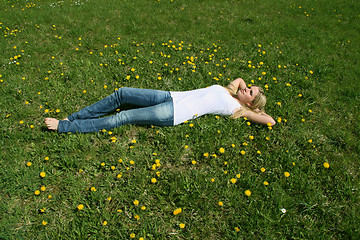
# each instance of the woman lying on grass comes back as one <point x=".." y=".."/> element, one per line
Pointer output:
<point x="163" y="108"/>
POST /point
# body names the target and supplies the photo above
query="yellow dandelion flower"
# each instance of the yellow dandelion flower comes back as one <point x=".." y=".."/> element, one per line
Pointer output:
<point x="326" y="165"/>
<point x="287" y="174"/>
<point x="220" y="204"/>
<point x="248" y="193"/>
<point x="262" y="169"/>
<point x="212" y="180"/>
<point x="42" y="174"/>
<point x="43" y="188"/>
<point x="153" y="180"/>
<point x="80" y="207"/>
<point x="136" y="202"/>
<point x="233" y="180"/>
<point x="132" y="162"/>
<point x="191" y="125"/>
<point x="132" y="235"/>
<point x="137" y="217"/>
<point x="28" y="164"/>
<point x="177" y="211"/>
<point x="37" y="192"/>
<point x="221" y="150"/>
<point x="182" y="225"/>
<point x="206" y="154"/>
<point x="44" y="223"/>
<point x="143" y="208"/>
<point x="266" y="183"/>
<point x="193" y="162"/>
<point x="104" y="223"/>
<point x="238" y="175"/>
<point x="242" y="152"/>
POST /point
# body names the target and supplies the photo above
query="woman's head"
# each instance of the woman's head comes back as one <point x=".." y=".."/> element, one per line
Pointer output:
<point x="252" y="97"/>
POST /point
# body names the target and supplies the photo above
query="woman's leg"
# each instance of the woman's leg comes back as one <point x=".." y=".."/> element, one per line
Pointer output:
<point x="125" y="95"/>
<point x="161" y="115"/>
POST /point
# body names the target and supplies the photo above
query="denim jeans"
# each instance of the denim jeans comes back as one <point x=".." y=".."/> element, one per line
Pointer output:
<point x="154" y="107"/>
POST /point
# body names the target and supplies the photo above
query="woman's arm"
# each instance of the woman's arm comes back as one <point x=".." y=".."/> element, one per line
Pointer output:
<point x="236" y="84"/>
<point x="261" y="117"/>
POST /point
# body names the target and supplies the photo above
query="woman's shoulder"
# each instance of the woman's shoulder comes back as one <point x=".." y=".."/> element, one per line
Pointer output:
<point x="217" y="86"/>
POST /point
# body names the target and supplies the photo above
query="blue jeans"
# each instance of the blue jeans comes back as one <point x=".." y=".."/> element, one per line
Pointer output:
<point x="154" y="107"/>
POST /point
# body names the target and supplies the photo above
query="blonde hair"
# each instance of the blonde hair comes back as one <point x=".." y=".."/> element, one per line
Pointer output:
<point x="258" y="102"/>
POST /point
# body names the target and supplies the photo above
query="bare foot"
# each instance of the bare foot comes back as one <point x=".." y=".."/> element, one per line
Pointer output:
<point x="52" y="123"/>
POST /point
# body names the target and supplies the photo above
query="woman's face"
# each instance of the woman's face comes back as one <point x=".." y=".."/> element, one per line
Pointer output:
<point x="247" y="95"/>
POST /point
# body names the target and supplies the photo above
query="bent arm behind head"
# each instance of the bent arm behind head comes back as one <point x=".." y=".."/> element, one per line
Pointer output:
<point x="259" y="117"/>
<point x="235" y="85"/>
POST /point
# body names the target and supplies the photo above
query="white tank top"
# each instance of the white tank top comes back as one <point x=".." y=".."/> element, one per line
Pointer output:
<point x="195" y="103"/>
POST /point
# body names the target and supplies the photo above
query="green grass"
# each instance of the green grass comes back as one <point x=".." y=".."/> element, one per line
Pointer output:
<point x="53" y="51"/>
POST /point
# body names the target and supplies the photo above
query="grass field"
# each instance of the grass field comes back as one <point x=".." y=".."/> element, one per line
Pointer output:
<point x="210" y="178"/>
